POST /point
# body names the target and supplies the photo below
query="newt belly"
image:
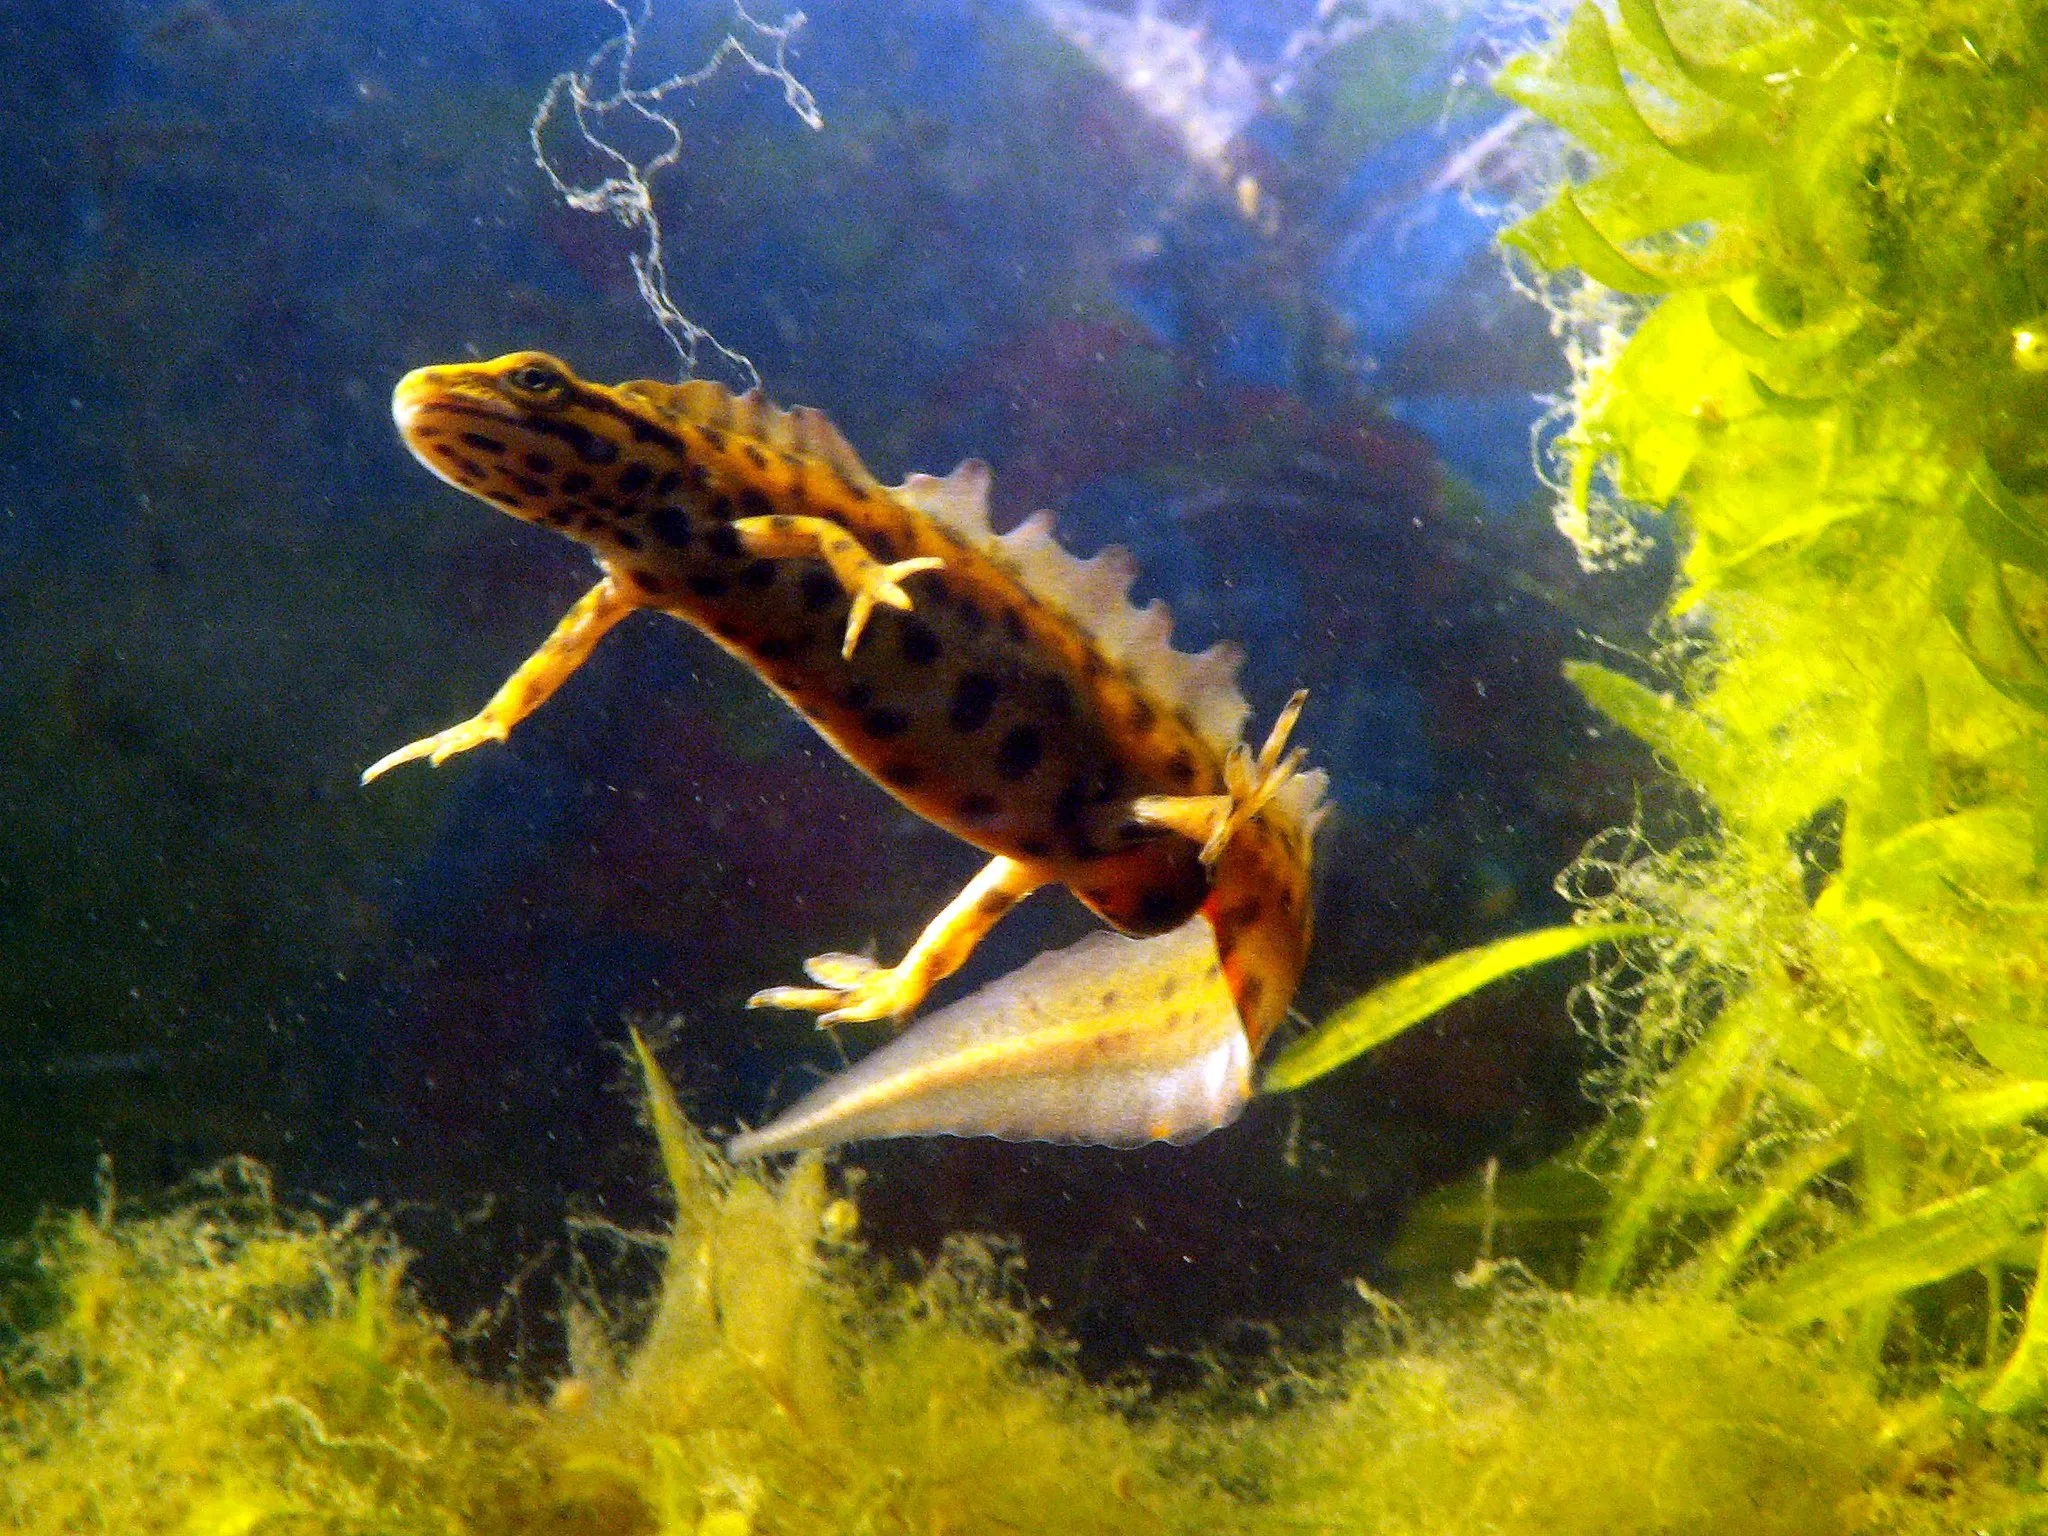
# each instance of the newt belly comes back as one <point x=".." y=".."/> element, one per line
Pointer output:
<point x="997" y="686"/>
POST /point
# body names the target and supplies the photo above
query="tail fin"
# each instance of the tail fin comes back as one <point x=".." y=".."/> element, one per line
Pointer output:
<point x="1114" y="1042"/>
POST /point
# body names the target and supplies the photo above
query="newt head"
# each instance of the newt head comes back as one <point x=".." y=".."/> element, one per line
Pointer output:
<point x="501" y="430"/>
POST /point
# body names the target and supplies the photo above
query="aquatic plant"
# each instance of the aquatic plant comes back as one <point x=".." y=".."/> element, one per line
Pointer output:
<point x="1800" y="280"/>
<point x="229" y="1369"/>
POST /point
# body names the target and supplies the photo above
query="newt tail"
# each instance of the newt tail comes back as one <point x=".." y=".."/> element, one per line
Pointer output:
<point x="996" y="685"/>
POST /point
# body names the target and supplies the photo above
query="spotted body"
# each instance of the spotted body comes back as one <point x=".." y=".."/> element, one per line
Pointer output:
<point x="997" y="686"/>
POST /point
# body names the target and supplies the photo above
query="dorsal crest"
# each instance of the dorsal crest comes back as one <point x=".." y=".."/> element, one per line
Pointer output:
<point x="1095" y="594"/>
<point x="803" y="431"/>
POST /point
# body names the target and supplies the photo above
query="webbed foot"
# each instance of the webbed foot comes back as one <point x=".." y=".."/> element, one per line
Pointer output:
<point x="859" y="574"/>
<point x="1250" y="783"/>
<point x="851" y="990"/>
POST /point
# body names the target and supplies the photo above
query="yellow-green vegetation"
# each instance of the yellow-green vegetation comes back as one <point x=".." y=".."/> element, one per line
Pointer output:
<point x="1831" y="223"/>
<point x="227" y="1371"/>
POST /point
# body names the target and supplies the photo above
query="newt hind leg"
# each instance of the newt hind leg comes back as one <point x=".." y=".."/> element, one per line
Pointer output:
<point x="1212" y="820"/>
<point x="852" y="988"/>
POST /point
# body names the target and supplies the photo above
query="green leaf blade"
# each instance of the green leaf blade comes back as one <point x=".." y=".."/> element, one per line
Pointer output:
<point x="1388" y="1010"/>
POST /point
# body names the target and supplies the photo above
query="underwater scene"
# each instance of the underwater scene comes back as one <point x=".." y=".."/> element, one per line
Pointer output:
<point x="1347" y="829"/>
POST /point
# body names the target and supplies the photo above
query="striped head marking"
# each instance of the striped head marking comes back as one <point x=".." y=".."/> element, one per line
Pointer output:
<point x="521" y="431"/>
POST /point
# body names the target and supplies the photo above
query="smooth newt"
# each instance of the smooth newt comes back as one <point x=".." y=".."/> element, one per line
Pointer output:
<point x="997" y="686"/>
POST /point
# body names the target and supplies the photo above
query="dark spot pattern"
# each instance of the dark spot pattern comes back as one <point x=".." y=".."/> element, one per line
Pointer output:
<point x="635" y="478"/>
<point x="819" y="588"/>
<point x="901" y="775"/>
<point x="759" y="575"/>
<point x="978" y="807"/>
<point x="1249" y="996"/>
<point x="540" y="464"/>
<point x="1157" y="908"/>
<point x="1019" y="752"/>
<point x="708" y="586"/>
<point x="885" y="723"/>
<point x="574" y="483"/>
<point x="920" y="646"/>
<point x="724" y="542"/>
<point x="974" y="699"/>
<point x="671" y="525"/>
<point x="483" y="444"/>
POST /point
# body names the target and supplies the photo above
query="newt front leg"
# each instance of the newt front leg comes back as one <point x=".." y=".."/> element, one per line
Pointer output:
<point x="865" y="579"/>
<point x="852" y="988"/>
<point x="526" y="689"/>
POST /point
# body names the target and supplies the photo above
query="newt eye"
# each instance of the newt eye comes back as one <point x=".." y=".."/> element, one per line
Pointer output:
<point x="542" y="383"/>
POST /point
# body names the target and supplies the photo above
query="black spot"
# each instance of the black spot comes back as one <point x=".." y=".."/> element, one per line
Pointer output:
<point x="591" y="447"/>
<point x="603" y="501"/>
<point x="978" y="807"/>
<point x="1249" y="994"/>
<point x="782" y="524"/>
<point x="853" y="492"/>
<point x="760" y="574"/>
<point x="635" y="478"/>
<point x="1019" y="752"/>
<point x="881" y="546"/>
<point x="507" y="499"/>
<point x="625" y="538"/>
<point x="819" y="589"/>
<point x="1071" y="804"/>
<point x="781" y="647"/>
<point x="972" y="618"/>
<point x="1013" y="625"/>
<point x="974" y="698"/>
<point x="671" y="525"/>
<point x="1034" y="848"/>
<point x="885" y="723"/>
<point x="560" y="517"/>
<point x="708" y="586"/>
<point x="724" y="542"/>
<point x="1059" y="696"/>
<point x="920" y="646"/>
<point x="468" y="467"/>
<point x="857" y="695"/>
<point x="670" y="482"/>
<point x="647" y="581"/>
<point x="540" y="464"/>
<point x="1143" y="715"/>
<point x="753" y="504"/>
<point x="755" y="456"/>
<point x="1181" y="768"/>
<point x="713" y="439"/>
<point x="902" y="775"/>
<point x="574" y="483"/>
<point x="484" y="444"/>
<point x="529" y="485"/>
<point x="1157" y="908"/>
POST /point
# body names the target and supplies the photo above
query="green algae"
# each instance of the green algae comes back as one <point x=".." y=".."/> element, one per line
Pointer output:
<point x="228" y="1368"/>
<point x="1797" y="284"/>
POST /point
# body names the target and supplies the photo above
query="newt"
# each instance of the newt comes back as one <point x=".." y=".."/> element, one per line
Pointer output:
<point x="996" y="685"/>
